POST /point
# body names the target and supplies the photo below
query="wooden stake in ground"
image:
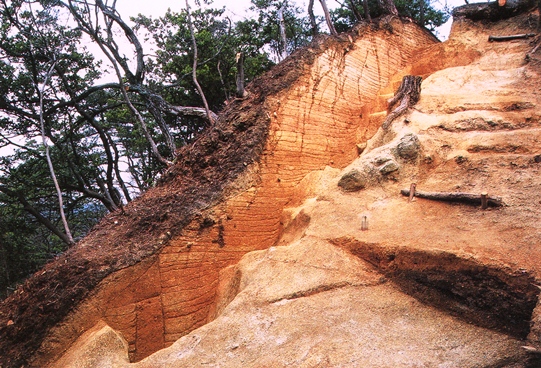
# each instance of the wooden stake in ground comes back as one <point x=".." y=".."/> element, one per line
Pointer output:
<point x="364" y="223"/>
<point x="484" y="200"/>
<point x="412" y="191"/>
<point x="408" y="94"/>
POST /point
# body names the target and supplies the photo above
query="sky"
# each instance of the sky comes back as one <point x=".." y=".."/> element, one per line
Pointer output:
<point x="237" y="8"/>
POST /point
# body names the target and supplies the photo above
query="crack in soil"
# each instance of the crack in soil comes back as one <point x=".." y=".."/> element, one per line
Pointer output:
<point x="313" y="291"/>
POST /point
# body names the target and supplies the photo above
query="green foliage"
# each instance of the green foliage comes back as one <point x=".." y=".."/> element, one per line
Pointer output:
<point x="267" y="29"/>
<point x="218" y="43"/>
<point x="432" y="18"/>
<point x="31" y="41"/>
<point x="344" y="19"/>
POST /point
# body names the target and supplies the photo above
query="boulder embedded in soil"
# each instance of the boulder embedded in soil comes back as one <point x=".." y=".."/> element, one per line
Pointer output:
<point x="408" y="147"/>
<point x="353" y="181"/>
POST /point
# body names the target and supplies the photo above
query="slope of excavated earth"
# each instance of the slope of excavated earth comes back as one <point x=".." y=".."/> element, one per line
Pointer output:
<point x="152" y="270"/>
<point x="251" y="255"/>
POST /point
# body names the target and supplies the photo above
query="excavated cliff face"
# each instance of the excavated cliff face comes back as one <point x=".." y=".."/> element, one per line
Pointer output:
<point x="285" y="268"/>
<point x="307" y="114"/>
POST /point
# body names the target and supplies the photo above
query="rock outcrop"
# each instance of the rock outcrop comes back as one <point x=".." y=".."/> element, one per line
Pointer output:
<point x="271" y="266"/>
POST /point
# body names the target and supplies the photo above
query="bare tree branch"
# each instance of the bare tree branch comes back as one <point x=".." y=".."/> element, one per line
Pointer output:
<point x="313" y="23"/>
<point x="111" y="13"/>
<point x="328" y="18"/>
<point x="109" y="50"/>
<point x="366" y="11"/>
<point x="282" y="24"/>
<point x="191" y="111"/>
<point x="47" y="154"/>
<point x="194" y="68"/>
<point x="34" y="212"/>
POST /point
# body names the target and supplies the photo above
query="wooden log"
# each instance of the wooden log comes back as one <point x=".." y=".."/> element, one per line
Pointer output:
<point x="510" y="37"/>
<point x="493" y="11"/>
<point x="408" y="94"/>
<point x="460" y="197"/>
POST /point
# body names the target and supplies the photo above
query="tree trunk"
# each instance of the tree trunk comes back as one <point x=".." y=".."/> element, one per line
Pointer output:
<point x="48" y="156"/>
<point x="388" y="7"/>
<point x="422" y="13"/>
<point x="121" y="182"/>
<point x="283" y="36"/>
<point x="111" y="13"/>
<point x="153" y="105"/>
<point x="43" y="220"/>
<point x="194" y="68"/>
<point x="408" y="94"/>
<point x="226" y="93"/>
<point x="355" y="11"/>
<point x="101" y="133"/>
<point x="367" y="11"/>
<point x="191" y="111"/>
<point x="4" y="292"/>
<point x="241" y="92"/>
<point x="328" y="18"/>
<point x="313" y="23"/>
<point x="110" y="49"/>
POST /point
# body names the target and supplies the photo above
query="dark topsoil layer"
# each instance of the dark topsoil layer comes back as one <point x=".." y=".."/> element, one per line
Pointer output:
<point x="199" y="179"/>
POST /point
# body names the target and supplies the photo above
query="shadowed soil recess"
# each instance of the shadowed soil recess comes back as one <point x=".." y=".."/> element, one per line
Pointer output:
<point x="280" y="238"/>
<point x="490" y="297"/>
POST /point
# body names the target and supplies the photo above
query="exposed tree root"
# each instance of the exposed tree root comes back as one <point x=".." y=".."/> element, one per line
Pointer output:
<point x="408" y="94"/>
